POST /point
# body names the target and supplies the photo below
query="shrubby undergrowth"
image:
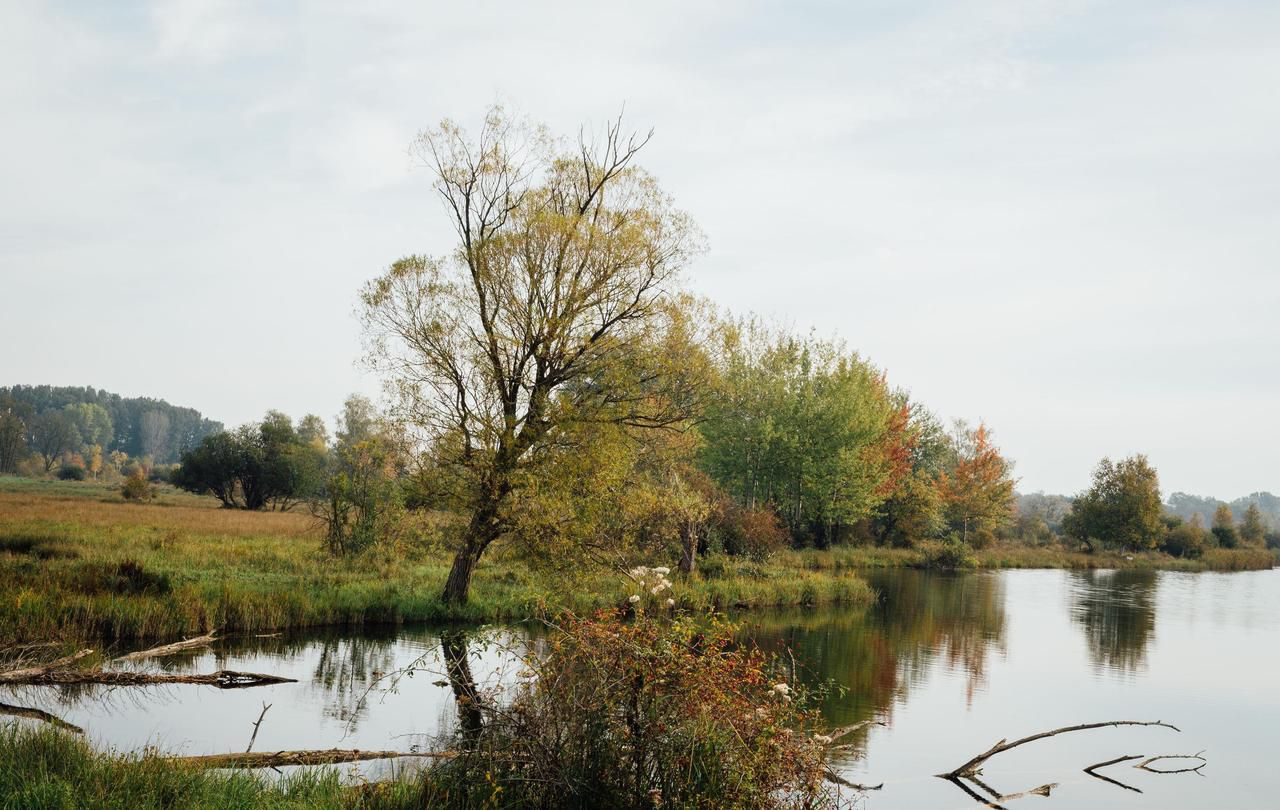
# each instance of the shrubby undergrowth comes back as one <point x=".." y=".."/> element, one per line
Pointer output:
<point x="643" y="711"/>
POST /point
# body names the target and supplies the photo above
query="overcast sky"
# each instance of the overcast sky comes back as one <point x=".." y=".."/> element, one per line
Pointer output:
<point x="1060" y="217"/>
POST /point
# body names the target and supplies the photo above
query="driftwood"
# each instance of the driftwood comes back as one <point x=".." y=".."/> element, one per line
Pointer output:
<point x="170" y="649"/>
<point x="974" y="766"/>
<point x="331" y="756"/>
<point x="23" y="676"/>
<point x="37" y="714"/>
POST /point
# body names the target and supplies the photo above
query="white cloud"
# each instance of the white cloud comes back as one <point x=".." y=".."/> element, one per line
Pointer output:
<point x="1059" y="216"/>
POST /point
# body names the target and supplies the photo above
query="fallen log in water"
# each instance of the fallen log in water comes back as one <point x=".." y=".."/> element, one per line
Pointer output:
<point x="223" y="678"/>
<point x="37" y="714"/>
<point x="974" y="766"/>
<point x="170" y="649"/>
<point x="278" y="759"/>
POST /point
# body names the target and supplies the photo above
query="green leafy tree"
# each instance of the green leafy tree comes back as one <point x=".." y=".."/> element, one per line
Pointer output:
<point x="92" y="421"/>
<point x="542" y="318"/>
<point x="260" y="466"/>
<point x="1224" y="527"/>
<point x="1253" y="532"/>
<point x="13" y="446"/>
<point x="1121" y="508"/>
<point x="803" y="427"/>
<point x="362" y="501"/>
<point x="312" y="432"/>
<point x="52" y="434"/>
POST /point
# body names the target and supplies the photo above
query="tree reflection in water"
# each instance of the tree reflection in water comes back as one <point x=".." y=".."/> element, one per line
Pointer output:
<point x="878" y="654"/>
<point x="346" y="667"/>
<point x="1117" y="610"/>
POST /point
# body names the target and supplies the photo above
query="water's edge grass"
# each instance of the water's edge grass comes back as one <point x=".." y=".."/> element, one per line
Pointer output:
<point x="44" y="769"/>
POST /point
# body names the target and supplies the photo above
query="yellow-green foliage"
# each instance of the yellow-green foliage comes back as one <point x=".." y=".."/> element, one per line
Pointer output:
<point x="76" y="561"/>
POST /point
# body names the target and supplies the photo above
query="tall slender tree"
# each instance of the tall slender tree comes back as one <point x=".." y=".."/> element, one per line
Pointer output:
<point x="1253" y="533"/>
<point x="540" y="319"/>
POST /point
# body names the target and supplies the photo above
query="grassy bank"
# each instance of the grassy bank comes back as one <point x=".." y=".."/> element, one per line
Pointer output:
<point x="42" y="769"/>
<point x="76" y="561"/>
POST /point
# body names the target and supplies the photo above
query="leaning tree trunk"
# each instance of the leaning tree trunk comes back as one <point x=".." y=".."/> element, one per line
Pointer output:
<point x="483" y="530"/>
<point x="458" y="586"/>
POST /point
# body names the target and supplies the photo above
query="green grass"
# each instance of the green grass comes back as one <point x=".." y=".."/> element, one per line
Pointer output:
<point x="43" y="769"/>
<point x="78" y="562"/>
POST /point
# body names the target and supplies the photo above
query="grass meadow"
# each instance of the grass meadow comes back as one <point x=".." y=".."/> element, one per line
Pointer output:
<point x="77" y="562"/>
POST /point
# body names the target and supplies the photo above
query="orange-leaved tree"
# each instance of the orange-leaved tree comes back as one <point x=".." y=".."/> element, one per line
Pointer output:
<point x="977" y="492"/>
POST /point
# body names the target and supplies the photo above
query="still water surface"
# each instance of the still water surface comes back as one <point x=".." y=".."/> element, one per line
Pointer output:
<point x="949" y="664"/>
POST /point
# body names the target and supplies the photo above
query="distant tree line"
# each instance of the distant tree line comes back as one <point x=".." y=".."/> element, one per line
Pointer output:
<point x="85" y="427"/>
<point x="1122" y="509"/>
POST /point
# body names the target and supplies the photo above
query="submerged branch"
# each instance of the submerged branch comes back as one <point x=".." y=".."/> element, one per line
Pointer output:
<point x="1092" y="771"/>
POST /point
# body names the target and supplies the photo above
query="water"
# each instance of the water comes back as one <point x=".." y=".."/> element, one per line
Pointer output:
<point x="949" y="664"/>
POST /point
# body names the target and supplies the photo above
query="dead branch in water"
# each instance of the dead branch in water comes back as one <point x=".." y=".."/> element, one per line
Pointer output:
<point x="277" y="759"/>
<point x="23" y="676"/>
<point x="37" y="714"/>
<point x="974" y="766"/>
<point x="1092" y="771"/>
<point x="265" y="706"/>
<point x="170" y="649"/>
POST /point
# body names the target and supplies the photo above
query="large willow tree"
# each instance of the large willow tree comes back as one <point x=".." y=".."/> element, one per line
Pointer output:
<point x="542" y="325"/>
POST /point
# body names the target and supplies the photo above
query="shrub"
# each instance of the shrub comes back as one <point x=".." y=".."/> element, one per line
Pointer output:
<point x="71" y="472"/>
<point x="1185" y="540"/>
<point x="161" y="473"/>
<point x="751" y="532"/>
<point x="949" y="554"/>
<point x="642" y="714"/>
<point x="137" y="488"/>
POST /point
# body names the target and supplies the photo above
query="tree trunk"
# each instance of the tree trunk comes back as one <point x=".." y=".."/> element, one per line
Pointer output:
<point x="483" y="530"/>
<point x="458" y="586"/>
<point x="688" y="549"/>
